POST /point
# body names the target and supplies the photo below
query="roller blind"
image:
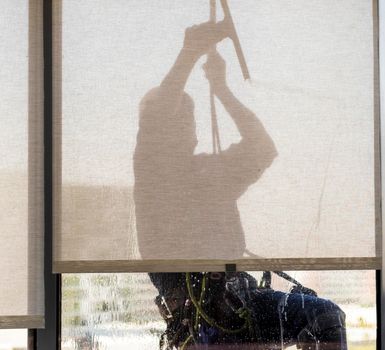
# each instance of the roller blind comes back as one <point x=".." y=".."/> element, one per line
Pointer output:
<point x="273" y="166"/>
<point x="21" y="165"/>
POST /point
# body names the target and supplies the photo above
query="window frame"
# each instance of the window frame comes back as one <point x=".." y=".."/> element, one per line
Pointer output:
<point x="50" y="336"/>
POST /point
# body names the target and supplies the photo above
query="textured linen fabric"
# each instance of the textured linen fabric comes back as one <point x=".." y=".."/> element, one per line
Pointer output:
<point x="21" y="165"/>
<point x="310" y="183"/>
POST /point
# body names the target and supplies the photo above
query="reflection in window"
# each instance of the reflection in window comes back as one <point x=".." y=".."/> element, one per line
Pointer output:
<point x="112" y="311"/>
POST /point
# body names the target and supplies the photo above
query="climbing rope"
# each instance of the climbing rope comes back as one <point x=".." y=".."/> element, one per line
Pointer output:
<point x="186" y="342"/>
<point x="242" y="312"/>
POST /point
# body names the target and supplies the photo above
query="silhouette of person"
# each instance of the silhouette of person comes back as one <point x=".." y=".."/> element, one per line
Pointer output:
<point x="186" y="208"/>
<point x="186" y="203"/>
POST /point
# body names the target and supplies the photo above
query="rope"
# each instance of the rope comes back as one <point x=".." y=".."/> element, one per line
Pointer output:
<point x="203" y="290"/>
<point x="186" y="342"/>
<point x="217" y="149"/>
<point x="241" y="312"/>
<point x="288" y="278"/>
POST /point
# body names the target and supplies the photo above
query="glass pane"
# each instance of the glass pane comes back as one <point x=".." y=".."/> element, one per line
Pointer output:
<point x="112" y="311"/>
<point x="13" y="339"/>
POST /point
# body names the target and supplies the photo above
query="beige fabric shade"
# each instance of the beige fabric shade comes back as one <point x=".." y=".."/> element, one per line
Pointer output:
<point x="21" y="165"/>
<point x="292" y="182"/>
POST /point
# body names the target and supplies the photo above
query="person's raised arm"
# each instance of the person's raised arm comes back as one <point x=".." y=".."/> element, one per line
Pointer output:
<point x="254" y="136"/>
<point x="197" y="41"/>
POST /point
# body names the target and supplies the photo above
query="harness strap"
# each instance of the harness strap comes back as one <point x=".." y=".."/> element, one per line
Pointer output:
<point x="299" y="288"/>
<point x="242" y="312"/>
<point x="288" y="278"/>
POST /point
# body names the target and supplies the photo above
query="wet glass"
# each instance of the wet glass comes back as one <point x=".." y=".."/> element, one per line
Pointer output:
<point x="13" y="339"/>
<point x="113" y="311"/>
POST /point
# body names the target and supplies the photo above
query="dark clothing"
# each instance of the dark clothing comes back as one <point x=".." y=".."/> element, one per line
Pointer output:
<point x="279" y="319"/>
<point x="297" y="318"/>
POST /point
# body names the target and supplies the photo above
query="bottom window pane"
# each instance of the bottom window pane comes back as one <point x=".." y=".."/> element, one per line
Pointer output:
<point x="212" y="311"/>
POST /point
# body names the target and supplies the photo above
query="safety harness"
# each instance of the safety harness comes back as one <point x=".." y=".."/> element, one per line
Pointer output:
<point x="184" y="325"/>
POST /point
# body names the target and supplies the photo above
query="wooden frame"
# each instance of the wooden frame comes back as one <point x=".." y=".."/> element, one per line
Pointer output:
<point x="218" y="265"/>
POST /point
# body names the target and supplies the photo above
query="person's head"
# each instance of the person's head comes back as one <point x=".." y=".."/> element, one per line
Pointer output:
<point x="172" y="128"/>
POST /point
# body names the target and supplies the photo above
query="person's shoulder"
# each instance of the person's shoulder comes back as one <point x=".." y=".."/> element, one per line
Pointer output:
<point x="151" y="97"/>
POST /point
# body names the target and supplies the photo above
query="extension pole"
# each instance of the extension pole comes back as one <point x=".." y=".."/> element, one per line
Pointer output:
<point x="234" y="37"/>
<point x="242" y="63"/>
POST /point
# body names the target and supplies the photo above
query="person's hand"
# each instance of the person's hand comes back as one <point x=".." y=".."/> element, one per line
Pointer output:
<point x="215" y="71"/>
<point x="200" y="38"/>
